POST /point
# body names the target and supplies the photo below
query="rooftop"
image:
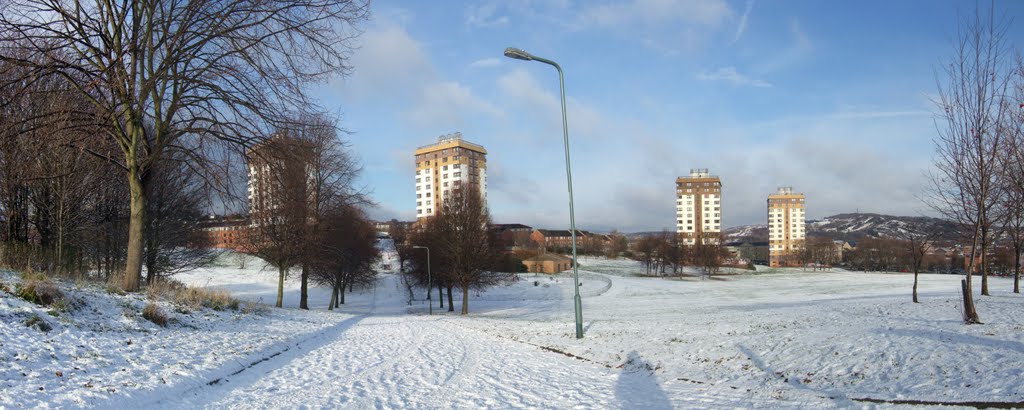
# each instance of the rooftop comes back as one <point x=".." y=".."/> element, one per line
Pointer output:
<point x="450" y="140"/>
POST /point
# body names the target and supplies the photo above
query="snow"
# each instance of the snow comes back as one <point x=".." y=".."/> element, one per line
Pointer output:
<point x="781" y="339"/>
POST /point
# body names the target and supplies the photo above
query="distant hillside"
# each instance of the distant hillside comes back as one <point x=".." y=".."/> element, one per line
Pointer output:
<point x="853" y="227"/>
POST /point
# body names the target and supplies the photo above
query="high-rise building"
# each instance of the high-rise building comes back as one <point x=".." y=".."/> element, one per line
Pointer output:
<point x="699" y="207"/>
<point x="278" y="174"/>
<point x="785" y="227"/>
<point x="449" y="164"/>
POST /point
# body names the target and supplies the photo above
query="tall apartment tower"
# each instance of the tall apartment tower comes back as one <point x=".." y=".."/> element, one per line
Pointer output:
<point x="450" y="163"/>
<point x="699" y="207"/>
<point x="785" y="226"/>
<point x="279" y="173"/>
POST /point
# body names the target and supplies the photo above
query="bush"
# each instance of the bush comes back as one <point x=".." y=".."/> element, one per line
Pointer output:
<point x="36" y="289"/>
<point x="254" y="308"/>
<point x="115" y="284"/>
<point x="153" y="313"/>
<point x="190" y="298"/>
<point x="38" y="323"/>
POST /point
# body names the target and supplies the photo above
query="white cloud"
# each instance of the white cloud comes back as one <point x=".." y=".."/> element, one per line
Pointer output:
<point x="710" y="13"/>
<point x="447" y="103"/>
<point x="392" y="66"/>
<point x="486" y="63"/>
<point x="742" y="26"/>
<point x="584" y="121"/>
<point x="389" y="62"/>
<point x="485" y="15"/>
<point x="731" y="75"/>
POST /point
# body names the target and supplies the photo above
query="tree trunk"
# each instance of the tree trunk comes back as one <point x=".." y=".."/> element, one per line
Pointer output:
<point x="984" y="260"/>
<point x="304" y="288"/>
<point x="341" y="293"/>
<point x="915" y="286"/>
<point x="280" y="287"/>
<point x="440" y="295"/>
<point x="334" y="295"/>
<point x="136" y="226"/>
<point x="970" y="314"/>
<point x="1016" y="272"/>
<point x="465" y="299"/>
<point x="451" y="305"/>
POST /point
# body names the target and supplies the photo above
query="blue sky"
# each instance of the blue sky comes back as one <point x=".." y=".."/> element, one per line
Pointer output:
<point x="832" y="98"/>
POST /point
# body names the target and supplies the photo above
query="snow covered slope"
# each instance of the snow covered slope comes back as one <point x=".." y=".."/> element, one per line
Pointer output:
<point x="788" y="339"/>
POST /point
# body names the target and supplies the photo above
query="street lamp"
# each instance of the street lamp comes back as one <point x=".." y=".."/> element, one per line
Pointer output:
<point x="430" y="305"/>
<point x="522" y="55"/>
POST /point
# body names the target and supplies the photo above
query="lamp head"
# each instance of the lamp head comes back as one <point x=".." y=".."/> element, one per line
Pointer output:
<point x="517" y="54"/>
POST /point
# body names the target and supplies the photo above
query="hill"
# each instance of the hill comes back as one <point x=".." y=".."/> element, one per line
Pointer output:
<point x="853" y="227"/>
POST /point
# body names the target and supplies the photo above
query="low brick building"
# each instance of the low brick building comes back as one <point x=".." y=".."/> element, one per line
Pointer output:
<point x="231" y="232"/>
<point x="548" y="263"/>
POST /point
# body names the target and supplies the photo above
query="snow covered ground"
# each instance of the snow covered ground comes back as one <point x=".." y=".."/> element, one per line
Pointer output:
<point x="787" y="339"/>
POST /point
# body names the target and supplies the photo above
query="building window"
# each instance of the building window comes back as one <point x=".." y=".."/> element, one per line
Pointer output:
<point x="444" y="168"/>
<point x="457" y="174"/>
<point x="419" y="203"/>
<point x="417" y="180"/>
<point x="418" y="196"/>
<point x="428" y="194"/>
<point x="446" y="184"/>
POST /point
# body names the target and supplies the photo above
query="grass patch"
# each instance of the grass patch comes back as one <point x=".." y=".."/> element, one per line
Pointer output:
<point x="38" y="322"/>
<point x="191" y="298"/>
<point x="36" y="288"/>
<point x="254" y="308"/>
<point x="153" y="314"/>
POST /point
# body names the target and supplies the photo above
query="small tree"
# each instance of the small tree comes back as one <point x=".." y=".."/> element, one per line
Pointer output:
<point x="348" y="253"/>
<point x="971" y="91"/>
<point x="916" y="242"/>
<point x="465" y="245"/>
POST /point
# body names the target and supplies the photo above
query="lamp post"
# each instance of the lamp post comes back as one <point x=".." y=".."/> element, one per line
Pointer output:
<point x="522" y="55"/>
<point x="430" y="304"/>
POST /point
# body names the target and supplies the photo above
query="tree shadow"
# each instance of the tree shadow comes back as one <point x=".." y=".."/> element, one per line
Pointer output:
<point x="637" y="386"/>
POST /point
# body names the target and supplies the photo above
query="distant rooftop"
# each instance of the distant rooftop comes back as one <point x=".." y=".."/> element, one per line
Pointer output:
<point x="454" y="138"/>
<point x="700" y="173"/>
<point x="786" y="190"/>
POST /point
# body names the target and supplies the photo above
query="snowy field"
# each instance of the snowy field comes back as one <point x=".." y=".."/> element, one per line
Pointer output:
<point x="789" y="339"/>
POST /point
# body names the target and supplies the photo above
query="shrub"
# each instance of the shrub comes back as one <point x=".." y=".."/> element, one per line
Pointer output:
<point x="153" y="314"/>
<point x="36" y="289"/>
<point x="115" y="282"/>
<point x="39" y="323"/>
<point x="254" y="308"/>
<point x="187" y="299"/>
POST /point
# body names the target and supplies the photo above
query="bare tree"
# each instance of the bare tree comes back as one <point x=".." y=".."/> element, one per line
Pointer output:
<point x="709" y="254"/>
<point x="971" y="89"/>
<point x="331" y="171"/>
<point x="1012" y="164"/>
<point x="348" y="252"/>
<point x="203" y="70"/>
<point x="463" y="225"/>
<point x="280" y="203"/>
<point x="916" y="243"/>
<point x="174" y="242"/>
